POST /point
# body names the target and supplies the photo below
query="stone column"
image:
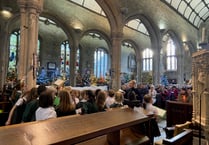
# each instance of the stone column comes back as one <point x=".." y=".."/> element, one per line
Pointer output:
<point x="73" y="52"/>
<point x="116" y="59"/>
<point x="156" y="64"/>
<point x="139" y="68"/>
<point x="4" y="42"/>
<point x="200" y="83"/>
<point x="29" y="13"/>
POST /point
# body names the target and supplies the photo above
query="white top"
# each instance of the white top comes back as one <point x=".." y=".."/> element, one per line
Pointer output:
<point x="45" y="113"/>
<point x="150" y="109"/>
<point x="109" y="101"/>
<point x="153" y="93"/>
<point x="20" y="101"/>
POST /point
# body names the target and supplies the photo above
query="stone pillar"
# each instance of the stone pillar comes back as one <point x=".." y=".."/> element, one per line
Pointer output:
<point x="4" y="42"/>
<point x="138" y="68"/>
<point x="200" y="83"/>
<point x="156" y="64"/>
<point x="73" y="52"/>
<point x="29" y="13"/>
<point x="116" y="59"/>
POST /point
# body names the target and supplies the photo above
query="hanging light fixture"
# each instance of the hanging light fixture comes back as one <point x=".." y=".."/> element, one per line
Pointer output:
<point x="6" y="12"/>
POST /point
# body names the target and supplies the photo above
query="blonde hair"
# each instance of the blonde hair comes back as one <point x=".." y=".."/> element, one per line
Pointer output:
<point x="119" y="97"/>
<point x="147" y="98"/>
<point x="66" y="101"/>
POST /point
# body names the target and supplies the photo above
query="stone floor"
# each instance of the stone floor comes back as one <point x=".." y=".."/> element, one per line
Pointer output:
<point x="161" y="125"/>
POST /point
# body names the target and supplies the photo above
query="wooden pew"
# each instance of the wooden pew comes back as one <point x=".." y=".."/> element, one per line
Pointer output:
<point x="5" y="107"/>
<point x="184" y="138"/>
<point x="71" y="130"/>
<point x="178" y="113"/>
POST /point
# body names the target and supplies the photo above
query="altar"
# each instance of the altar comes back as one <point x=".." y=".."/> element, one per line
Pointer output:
<point x="90" y="88"/>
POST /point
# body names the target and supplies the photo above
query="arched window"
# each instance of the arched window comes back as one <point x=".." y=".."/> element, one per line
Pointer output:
<point x="171" y="59"/>
<point x="13" y="50"/>
<point x="100" y="62"/>
<point x="147" y="59"/>
<point x="65" y="58"/>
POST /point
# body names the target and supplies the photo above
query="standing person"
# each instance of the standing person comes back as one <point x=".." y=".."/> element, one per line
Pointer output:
<point x="153" y="93"/>
<point x="66" y="106"/>
<point x="15" y="114"/>
<point x="132" y="89"/>
<point x="45" y="110"/>
<point x="32" y="106"/>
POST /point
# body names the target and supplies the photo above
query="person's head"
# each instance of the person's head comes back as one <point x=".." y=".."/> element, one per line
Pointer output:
<point x="34" y="93"/>
<point x="97" y="92"/>
<point x="132" y="84"/>
<point x="66" y="101"/>
<point x="147" y="98"/>
<point x="152" y="87"/>
<point x="41" y="89"/>
<point x="183" y="91"/>
<point x="101" y="97"/>
<point x="46" y="99"/>
<point x="89" y="96"/>
<point x="119" y="97"/>
<point x="111" y="93"/>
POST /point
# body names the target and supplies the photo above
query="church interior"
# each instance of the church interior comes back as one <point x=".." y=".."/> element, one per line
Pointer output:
<point x="74" y="57"/>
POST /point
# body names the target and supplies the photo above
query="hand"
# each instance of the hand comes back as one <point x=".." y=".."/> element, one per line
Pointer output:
<point x="7" y="123"/>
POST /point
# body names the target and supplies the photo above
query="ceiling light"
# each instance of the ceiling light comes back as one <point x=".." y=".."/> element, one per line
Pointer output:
<point x="6" y="12"/>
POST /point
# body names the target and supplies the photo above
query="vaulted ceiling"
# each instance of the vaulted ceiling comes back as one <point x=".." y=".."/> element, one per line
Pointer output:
<point x="194" y="11"/>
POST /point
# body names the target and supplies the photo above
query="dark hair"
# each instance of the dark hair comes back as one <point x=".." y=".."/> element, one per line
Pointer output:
<point x="46" y="99"/>
<point x="91" y="96"/>
<point x="41" y="89"/>
<point x="97" y="92"/>
<point x="101" y="97"/>
<point x="111" y="93"/>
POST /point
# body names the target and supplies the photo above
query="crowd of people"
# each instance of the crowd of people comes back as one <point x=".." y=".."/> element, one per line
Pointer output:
<point x="45" y="102"/>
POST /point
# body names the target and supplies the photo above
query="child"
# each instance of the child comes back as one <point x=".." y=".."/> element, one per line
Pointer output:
<point x="45" y="109"/>
<point x="149" y="109"/>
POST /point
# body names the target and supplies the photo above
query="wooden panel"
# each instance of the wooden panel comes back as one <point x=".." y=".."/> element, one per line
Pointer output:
<point x="70" y="130"/>
<point x="178" y="112"/>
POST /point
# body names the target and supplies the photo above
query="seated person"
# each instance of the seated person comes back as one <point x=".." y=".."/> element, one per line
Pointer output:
<point x="66" y="106"/>
<point x="45" y="109"/>
<point x="149" y="109"/>
<point x="118" y="100"/>
<point x="88" y="103"/>
<point x="184" y="97"/>
<point x="100" y="101"/>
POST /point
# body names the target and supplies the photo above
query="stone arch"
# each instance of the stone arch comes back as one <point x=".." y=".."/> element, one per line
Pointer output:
<point x="113" y="15"/>
<point x="154" y="34"/>
<point x="103" y="34"/>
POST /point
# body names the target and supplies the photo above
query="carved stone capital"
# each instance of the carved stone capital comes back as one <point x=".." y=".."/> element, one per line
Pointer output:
<point x="30" y="4"/>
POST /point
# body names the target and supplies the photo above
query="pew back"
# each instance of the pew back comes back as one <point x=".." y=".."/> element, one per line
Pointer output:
<point x="178" y="113"/>
<point x="71" y="130"/>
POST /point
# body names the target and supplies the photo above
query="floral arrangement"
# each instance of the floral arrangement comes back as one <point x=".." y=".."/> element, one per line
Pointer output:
<point x="97" y="81"/>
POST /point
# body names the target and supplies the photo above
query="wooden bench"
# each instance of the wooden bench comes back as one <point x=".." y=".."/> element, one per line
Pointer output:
<point x="178" y="112"/>
<point x="184" y="138"/>
<point x="5" y="107"/>
<point x="71" y="130"/>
